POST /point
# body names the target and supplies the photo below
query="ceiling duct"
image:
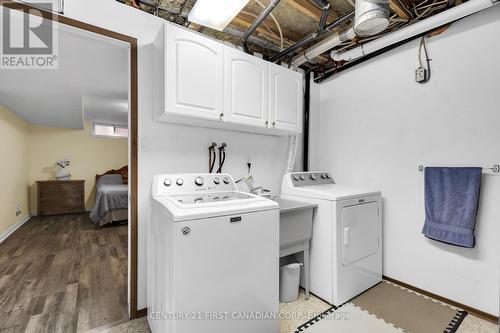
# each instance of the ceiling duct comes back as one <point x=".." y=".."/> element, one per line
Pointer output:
<point x="371" y="18"/>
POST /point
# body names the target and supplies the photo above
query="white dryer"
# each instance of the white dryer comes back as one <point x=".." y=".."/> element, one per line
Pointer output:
<point x="346" y="244"/>
<point x="213" y="257"/>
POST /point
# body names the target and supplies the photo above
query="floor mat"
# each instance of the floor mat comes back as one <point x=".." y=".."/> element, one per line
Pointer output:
<point x="347" y="319"/>
<point x="408" y="310"/>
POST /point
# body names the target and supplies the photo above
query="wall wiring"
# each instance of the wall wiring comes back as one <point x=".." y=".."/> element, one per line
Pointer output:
<point x="423" y="73"/>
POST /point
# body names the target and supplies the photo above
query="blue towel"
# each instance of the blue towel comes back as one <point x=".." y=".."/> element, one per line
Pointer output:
<point x="451" y="204"/>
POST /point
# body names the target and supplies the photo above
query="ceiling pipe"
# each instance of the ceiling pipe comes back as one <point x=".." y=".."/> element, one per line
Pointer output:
<point x="262" y="16"/>
<point x="371" y="18"/>
<point x="340" y="21"/>
<point x="450" y="15"/>
<point x="324" y="5"/>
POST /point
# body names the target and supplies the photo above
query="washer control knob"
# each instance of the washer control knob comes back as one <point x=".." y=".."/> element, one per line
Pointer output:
<point x="296" y="178"/>
<point x="323" y="176"/>
<point x="167" y="182"/>
<point x="313" y="177"/>
<point x="327" y="176"/>
<point x="216" y="181"/>
<point x="302" y="177"/>
<point x="199" y="181"/>
<point x="179" y="181"/>
<point x="225" y="180"/>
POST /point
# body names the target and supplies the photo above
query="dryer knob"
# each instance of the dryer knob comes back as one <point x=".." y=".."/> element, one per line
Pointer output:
<point x="167" y="182"/>
<point x="199" y="181"/>
<point x="323" y="176"/>
<point x="302" y="177"/>
<point x="313" y="177"/>
<point x="225" y="180"/>
<point x="296" y="178"/>
<point x="216" y="181"/>
<point x="179" y="181"/>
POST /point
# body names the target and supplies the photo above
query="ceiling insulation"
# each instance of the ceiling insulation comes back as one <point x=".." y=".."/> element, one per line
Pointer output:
<point x="297" y="19"/>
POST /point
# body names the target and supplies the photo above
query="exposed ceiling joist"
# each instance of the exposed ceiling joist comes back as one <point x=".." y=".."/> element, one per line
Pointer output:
<point x="245" y="22"/>
<point x="310" y="10"/>
<point x="401" y="8"/>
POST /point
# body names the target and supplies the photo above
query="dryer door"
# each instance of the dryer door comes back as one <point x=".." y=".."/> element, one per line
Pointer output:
<point x="359" y="232"/>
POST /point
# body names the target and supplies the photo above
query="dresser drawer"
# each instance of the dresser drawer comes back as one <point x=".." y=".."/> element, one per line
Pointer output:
<point x="62" y="187"/>
<point x="61" y="197"/>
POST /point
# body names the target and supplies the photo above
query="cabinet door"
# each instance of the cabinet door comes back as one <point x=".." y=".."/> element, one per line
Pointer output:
<point x="286" y="98"/>
<point x="247" y="89"/>
<point x="194" y="74"/>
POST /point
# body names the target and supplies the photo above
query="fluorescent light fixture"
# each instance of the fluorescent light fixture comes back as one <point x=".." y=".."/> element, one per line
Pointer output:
<point x="215" y="14"/>
<point x="455" y="13"/>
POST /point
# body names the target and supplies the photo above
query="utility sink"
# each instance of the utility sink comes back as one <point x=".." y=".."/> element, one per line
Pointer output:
<point x="295" y="225"/>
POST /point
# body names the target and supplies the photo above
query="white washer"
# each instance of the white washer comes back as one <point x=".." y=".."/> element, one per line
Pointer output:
<point x="346" y="244"/>
<point x="213" y="257"/>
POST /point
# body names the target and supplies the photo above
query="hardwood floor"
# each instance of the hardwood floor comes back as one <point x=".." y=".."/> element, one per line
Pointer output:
<point x="63" y="274"/>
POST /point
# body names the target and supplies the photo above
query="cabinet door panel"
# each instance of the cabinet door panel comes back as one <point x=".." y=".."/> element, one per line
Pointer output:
<point x="286" y="98"/>
<point x="194" y="74"/>
<point x="247" y="88"/>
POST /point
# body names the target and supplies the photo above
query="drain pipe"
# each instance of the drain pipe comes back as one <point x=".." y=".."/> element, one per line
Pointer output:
<point x="324" y="5"/>
<point x="262" y="16"/>
<point x="371" y="18"/>
<point x="340" y="21"/>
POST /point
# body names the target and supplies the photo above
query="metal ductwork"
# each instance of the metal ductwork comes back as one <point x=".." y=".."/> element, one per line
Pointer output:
<point x="371" y="18"/>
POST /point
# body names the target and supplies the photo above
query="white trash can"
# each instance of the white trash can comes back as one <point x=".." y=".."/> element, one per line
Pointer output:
<point x="289" y="282"/>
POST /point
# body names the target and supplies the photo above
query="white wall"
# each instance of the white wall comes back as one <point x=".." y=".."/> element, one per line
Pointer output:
<point x="377" y="125"/>
<point x="167" y="147"/>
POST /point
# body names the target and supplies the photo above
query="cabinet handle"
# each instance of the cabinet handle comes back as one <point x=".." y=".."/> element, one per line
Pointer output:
<point x="221" y="116"/>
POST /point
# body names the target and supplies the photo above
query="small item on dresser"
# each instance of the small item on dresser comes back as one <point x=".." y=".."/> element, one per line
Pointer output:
<point x="451" y="204"/>
<point x="62" y="172"/>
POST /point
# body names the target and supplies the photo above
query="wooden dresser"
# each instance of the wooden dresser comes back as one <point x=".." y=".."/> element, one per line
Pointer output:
<point x="61" y="197"/>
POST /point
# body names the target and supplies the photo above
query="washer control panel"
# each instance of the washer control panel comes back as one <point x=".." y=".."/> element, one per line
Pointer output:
<point x="311" y="178"/>
<point x="168" y="184"/>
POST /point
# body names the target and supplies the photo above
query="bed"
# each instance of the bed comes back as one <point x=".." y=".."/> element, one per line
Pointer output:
<point x="111" y="201"/>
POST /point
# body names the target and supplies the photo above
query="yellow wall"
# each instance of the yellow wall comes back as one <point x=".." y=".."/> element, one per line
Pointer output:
<point x="14" y="134"/>
<point x="88" y="155"/>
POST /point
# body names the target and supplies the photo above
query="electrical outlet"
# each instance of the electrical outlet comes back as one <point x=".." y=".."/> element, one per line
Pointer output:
<point x="420" y="75"/>
<point x="18" y="209"/>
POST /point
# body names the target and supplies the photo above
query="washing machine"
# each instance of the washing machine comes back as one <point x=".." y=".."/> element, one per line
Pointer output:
<point x="346" y="244"/>
<point x="213" y="257"/>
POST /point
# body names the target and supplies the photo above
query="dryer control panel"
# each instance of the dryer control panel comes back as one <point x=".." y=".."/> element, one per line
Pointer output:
<point x="311" y="178"/>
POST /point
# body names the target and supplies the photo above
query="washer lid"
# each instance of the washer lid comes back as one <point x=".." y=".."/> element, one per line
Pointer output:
<point x="206" y="205"/>
<point x="332" y="192"/>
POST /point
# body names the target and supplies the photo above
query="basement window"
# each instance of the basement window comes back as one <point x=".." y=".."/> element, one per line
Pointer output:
<point x="109" y="130"/>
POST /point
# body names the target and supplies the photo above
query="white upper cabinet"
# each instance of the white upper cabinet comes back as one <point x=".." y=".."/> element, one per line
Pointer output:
<point x="246" y="89"/>
<point x="286" y="98"/>
<point x="209" y="84"/>
<point x="194" y="74"/>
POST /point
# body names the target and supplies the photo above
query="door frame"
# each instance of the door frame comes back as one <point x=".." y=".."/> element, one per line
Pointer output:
<point x="133" y="129"/>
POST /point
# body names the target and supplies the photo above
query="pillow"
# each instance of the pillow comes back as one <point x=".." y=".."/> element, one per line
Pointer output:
<point x="110" y="179"/>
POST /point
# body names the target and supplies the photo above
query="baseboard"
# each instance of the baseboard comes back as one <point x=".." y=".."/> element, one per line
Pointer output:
<point x="13" y="228"/>
<point x="471" y="310"/>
